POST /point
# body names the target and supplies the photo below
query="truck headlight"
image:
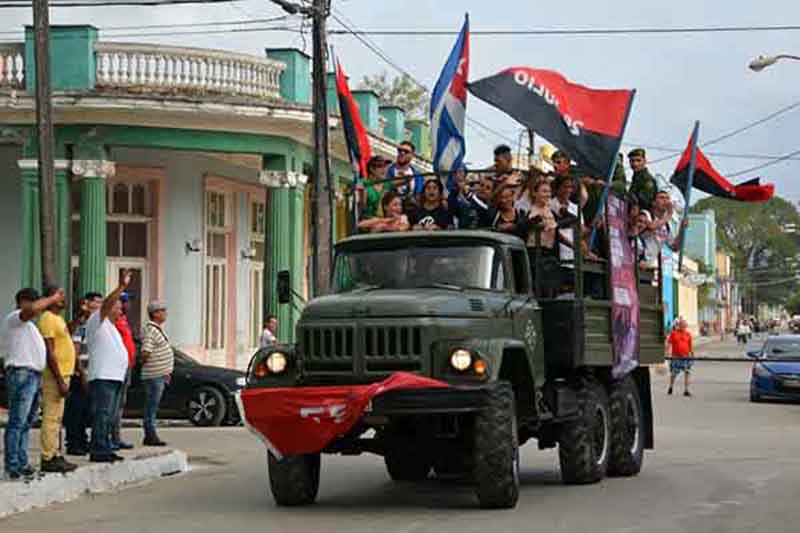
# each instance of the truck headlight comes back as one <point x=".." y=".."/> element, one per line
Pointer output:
<point x="460" y="359"/>
<point x="276" y="362"/>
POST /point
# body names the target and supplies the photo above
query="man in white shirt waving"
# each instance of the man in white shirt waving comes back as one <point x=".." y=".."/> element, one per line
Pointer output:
<point x="25" y="353"/>
<point x="108" y="366"/>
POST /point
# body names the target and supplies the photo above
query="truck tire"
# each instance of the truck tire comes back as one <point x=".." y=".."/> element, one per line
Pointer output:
<point x="496" y="471"/>
<point x="627" y="423"/>
<point x="406" y="460"/>
<point x="583" y="443"/>
<point x="294" y="480"/>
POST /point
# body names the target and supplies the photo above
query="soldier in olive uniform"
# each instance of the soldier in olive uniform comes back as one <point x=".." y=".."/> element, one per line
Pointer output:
<point x="643" y="184"/>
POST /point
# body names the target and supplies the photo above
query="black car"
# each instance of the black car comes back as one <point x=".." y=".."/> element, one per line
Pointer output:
<point x="200" y="393"/>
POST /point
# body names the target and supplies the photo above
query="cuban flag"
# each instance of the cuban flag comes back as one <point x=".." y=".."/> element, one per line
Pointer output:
<point x="449" y="106"/>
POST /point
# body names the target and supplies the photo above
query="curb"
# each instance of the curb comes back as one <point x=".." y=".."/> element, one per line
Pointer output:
<point x="17" y="497"/>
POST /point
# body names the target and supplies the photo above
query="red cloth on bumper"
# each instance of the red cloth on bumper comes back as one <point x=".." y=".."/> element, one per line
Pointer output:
<point x="301" y="420"/>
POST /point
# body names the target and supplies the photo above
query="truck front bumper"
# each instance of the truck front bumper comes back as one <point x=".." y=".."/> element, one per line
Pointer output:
<point x="428" y="401"/>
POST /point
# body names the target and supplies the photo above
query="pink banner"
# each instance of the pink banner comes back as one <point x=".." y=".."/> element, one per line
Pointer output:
<point x="624" y="292"/>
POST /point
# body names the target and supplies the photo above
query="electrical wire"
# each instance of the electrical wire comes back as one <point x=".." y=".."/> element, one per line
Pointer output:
<point x="19" y="4"/>
<point x="737" y="131"/>
<point x="787" y="157"/>
<point x="572" y="31"/>
<point x="375" y="49"/>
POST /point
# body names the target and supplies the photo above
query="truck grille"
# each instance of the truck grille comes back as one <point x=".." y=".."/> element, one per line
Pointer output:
<point x="328" y="348"/>
<point x="367" y="349"/>
<point x="392" y="348"/>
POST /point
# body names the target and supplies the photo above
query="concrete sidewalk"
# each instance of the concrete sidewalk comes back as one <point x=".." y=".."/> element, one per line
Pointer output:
<point x="141" y="465"/>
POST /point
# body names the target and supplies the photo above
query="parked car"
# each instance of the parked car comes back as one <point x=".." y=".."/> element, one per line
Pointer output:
<point x="776" y="372"/>
<point x="202" y="394"/>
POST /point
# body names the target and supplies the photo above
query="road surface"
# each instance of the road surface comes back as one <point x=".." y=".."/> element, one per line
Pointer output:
<point x="721" y="464"/>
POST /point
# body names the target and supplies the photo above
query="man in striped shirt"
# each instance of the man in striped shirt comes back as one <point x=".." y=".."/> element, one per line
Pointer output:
<point x="158" y="360"/>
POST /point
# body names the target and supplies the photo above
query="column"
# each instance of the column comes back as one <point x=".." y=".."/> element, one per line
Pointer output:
<point x="92" y="175"/>
<point x="31" y="253"/>
<point x="31" y="235"/>
<point x="63" y="228"/>
<point x="285" y="243"/>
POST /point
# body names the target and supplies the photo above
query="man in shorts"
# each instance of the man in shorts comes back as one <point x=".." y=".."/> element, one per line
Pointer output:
<point x="680" y="343"/>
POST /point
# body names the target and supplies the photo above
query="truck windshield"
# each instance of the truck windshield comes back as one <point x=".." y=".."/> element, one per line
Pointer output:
<point x="451" y="267"/>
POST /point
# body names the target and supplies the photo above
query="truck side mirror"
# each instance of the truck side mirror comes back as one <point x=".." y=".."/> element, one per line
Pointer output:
<point x="283" y="286"/>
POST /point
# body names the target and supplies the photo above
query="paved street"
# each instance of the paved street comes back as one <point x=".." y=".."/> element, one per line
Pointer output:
<point x="720" y="464"/>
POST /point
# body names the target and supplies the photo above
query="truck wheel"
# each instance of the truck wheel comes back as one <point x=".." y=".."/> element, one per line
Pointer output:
<point x="627" y="421"/>
<point x="294" y="480"/>
<point x="496" y="470"/>
<point x="583" y="443"/>
<point x="407" y="461"/>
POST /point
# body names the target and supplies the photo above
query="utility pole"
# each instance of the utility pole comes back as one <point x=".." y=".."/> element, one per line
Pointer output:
<point x="322" y="192"/>
<point x="46" y="142"/>
<point x="322" y="187"/>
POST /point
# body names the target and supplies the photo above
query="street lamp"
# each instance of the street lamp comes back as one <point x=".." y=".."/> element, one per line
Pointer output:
<point x="762" y="62"/>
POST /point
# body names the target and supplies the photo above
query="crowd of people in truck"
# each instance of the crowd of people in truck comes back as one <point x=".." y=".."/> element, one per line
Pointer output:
<point x="545" y="209"/>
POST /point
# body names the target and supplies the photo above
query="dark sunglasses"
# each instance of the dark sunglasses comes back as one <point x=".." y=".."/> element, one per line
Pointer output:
<point x="403" y="151"/>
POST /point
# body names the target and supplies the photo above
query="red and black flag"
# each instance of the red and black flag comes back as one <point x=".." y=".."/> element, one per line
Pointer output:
<point x="355" y="134"/>
<point x="585" y="123"/>
<point x="708" y="180"/>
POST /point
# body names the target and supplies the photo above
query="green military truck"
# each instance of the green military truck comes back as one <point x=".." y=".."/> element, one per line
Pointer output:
<point x="458" y="306"/>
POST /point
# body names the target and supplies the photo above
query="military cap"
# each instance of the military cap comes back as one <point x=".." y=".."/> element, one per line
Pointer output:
<point x="558" y="154"/>
<point x="637" y="152"/>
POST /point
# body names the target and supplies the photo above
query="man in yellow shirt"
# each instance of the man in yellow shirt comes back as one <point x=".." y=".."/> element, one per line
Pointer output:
<point x="55" y="383"/>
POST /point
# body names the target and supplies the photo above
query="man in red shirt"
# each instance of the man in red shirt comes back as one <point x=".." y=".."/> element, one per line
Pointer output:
<point x="126" y="333"/>
<point x="680" y="344"/>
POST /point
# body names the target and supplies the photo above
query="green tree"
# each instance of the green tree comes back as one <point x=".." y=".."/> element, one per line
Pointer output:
<point x="401" y="91"/>
<point x="793" y="304"/>
<point x="764" y="253"/>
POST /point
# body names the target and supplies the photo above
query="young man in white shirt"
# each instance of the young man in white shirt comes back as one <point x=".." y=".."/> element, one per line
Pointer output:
<point x="270" y="334"/>
<point x="25" y="353"/>
<point x="108" y="367"/>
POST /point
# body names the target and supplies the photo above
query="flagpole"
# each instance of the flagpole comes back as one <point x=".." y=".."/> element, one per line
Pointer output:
<point x="610" y="175"/>
<point x="688" y="194"/>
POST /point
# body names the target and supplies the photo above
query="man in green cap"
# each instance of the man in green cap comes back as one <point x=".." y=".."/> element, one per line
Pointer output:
<point x="643" y="184"/>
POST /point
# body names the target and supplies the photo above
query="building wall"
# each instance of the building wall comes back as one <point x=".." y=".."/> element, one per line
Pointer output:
<point x="183" y="271"/>
<point x="10" y="224"/>
<point x="687" y="297"/>
<point x="701" y="238"/>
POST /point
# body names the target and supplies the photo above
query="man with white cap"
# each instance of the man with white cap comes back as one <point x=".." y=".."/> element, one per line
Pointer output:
<point x="158" y="360"/>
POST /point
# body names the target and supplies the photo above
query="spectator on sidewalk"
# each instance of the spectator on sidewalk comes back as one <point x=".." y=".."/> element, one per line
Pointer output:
<point x="270" y="334"/>
<point x="158" y="360"/>
<point x="25" y="359"/>
<point x="124" y="328"/>
<point x="108" y="366"/>
<point x="680" y="343"/>
<point x="742" y="332"/>
<point x="55" y="382"/>
<point x="77" y="416"/>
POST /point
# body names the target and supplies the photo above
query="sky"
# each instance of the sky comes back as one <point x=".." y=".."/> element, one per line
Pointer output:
<point x="679" y="78"/>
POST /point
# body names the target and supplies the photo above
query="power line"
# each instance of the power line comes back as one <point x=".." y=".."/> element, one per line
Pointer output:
<point x="375" y="49"/>
<point x="186" y="25"/>
<point x="20" y="4"/>
<point x="737" y="131"/>
<point x="572" y="31"/>
<point x="672" y="149"/>
<point x="787" y="157"/>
